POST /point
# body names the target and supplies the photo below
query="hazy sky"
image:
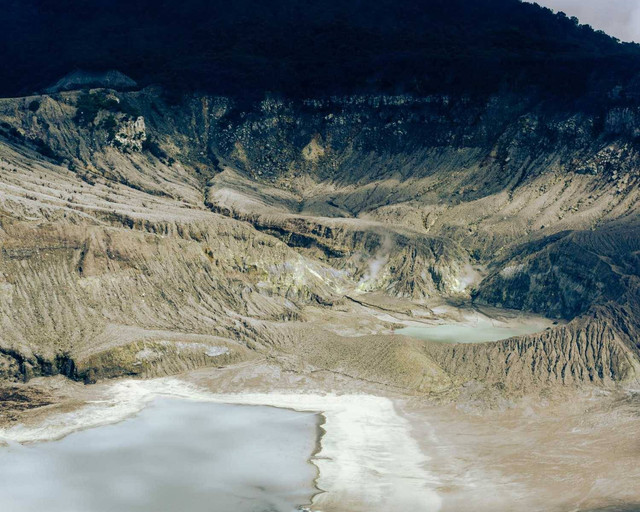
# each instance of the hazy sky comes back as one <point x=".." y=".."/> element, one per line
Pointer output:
<point x="620" y="18"/>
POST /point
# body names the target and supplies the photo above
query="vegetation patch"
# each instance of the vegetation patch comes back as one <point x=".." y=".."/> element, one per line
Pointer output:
<point x="154" y="148"/>
<point x="10" y="132"/>
<point x="45" y="150"/>
<point x="90" y="104"/>
<point x="110" y="125"/>
<point x="34" y="106"/>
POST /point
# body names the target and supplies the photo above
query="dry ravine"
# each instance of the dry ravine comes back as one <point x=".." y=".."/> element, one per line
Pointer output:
<point x="275" y="246"/>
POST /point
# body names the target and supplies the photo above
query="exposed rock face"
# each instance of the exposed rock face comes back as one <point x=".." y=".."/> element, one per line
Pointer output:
<point x="131" y="134"/>
<point x="150" y="238"/>
<point x="593" y="349"/>
<point x="564" y="274"/>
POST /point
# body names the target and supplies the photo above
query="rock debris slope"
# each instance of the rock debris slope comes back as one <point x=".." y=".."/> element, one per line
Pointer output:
<point x="141" y="235"/>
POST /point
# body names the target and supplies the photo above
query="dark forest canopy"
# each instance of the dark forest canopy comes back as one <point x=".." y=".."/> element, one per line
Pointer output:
<point x="303" y="47"/>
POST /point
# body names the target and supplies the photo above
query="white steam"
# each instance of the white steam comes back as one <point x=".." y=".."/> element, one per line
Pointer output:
<point x="377" y="263"/>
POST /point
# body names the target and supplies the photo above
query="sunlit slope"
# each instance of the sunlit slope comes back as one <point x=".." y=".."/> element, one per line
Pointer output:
<point x="145" y="237"/>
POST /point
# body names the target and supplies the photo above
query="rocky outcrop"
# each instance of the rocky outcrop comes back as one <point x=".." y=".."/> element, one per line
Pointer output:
<point x="399" y="261"/>
<point x="130" y="225"/>
<point x="565" y="274"/>
<point x="600" y="348"/>
<point x="131" y="134"/>
<point x="86" y="292"/>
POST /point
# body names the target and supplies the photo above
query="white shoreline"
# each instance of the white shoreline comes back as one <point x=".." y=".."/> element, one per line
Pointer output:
<point x="368" y="460"/>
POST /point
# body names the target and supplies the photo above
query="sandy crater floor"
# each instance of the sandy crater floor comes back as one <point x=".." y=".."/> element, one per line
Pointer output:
<point x="381" y="452"/>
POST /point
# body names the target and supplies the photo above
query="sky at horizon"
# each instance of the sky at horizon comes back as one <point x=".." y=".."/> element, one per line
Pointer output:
<point x="619" y="18"/>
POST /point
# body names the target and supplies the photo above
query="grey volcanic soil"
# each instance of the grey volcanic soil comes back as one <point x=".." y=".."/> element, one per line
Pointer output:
<point x="288" y="239"/>
<point x="151" y="238"/>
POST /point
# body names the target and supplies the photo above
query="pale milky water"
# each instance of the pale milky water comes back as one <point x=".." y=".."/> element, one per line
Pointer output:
<point x="174" y="456"/>
<point x="460" y="333"/>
